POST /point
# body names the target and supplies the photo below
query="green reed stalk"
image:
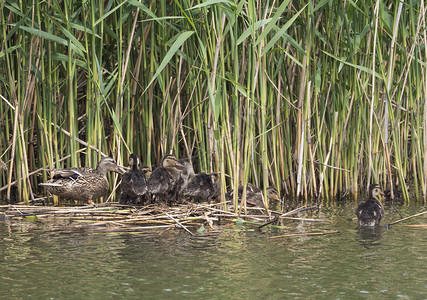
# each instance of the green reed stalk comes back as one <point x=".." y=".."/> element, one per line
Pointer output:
<point x="313" y="98"/>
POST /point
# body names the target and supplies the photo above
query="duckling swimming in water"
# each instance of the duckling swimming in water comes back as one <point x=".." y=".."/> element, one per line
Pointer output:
<point x="134" y="183"/>
<point x="371" y="211"/>
<point x="254" y="196"/>
<point x="203" y="187"/>
<point x="164" y="180"/>
<point x="82" y="184"/>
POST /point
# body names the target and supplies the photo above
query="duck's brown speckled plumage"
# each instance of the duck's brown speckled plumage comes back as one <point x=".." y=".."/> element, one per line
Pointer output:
<point x="82" y="184"/>
<point x="371" y="211"/>
<point x="203" y="187"/>
<point x="164" y="181"/>
<point x="187" y="173"/>
<point x="254" y="196"/>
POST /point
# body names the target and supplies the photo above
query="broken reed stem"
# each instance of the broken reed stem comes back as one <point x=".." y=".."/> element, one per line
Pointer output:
<point x="180" y="224"/>
<point x="270" y="222"/>
<point x="297" y="210"/>
<point x="304" y="219"/>
<point x="303" y="234"/>
<point x="410" y="217"/>
<point x="395" y="208"/>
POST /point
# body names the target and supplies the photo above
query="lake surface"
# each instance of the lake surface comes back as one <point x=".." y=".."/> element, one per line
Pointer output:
<point x="55" y="261"/>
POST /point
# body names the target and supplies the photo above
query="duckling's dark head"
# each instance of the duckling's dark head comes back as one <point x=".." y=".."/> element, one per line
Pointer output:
<point x="375" y="191"/>
<point x="107" y="164"/>
<point x="147" y="171"/>
<point x="134" y="161"/>
<point x="188" y="169"/>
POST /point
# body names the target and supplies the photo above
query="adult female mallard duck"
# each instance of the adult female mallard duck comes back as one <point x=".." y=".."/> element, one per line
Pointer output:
<point x="371" y="211"/>
<point x="203" y="187"/>
<point x="133" y="189"/>
<point x="82" y="184"/>
<point x="254" y="196"/>
<point x="164" y="180"/>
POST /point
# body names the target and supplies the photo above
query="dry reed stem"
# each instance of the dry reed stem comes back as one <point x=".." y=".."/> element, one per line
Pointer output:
<point x="410" y="217"/>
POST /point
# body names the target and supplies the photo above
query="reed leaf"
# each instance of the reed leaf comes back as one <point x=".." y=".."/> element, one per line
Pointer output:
<point x="316" y="99"/>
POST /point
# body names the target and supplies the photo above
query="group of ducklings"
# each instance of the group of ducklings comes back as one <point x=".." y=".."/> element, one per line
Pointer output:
<point x="175" y="178"/>
<point x="167" y="182"/>
<point x="172" y="179"/>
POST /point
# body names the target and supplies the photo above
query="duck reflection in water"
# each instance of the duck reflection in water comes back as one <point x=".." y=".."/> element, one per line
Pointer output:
<point x="370" y="237"/>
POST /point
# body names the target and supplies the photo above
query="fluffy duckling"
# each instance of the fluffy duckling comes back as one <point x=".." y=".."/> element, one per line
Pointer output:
<point x="254" y="196"/>
<point x="187" y="173"/>
<point x="203" y="187"/>
<point x="82" y="184"/>
<point x="371" y="211"/>
<point x="164" y="181"/>
<point x="134" y="183"/>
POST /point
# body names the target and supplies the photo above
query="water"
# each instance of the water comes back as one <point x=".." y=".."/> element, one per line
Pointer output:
<point x="56" y="261"/>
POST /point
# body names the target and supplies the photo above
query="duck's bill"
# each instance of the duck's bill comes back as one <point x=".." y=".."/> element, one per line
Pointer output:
<point x="178" y="164"/>
<point x="120" y="170"/>
<point x="277" y="198"/>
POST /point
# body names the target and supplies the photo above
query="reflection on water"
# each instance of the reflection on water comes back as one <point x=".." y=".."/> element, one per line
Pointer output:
<point x="57" y="261"/>
<point x="370" y="236"/>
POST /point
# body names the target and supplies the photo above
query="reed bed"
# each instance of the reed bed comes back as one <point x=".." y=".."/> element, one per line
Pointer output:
<point x="314" y="98"/>
<point x="190" y="217"/>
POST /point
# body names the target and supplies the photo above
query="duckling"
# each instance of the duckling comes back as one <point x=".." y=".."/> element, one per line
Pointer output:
<point x="254" y="196"/>
<point x="203" y="187"/>
<point x="134" y="183"/>
<point x="371" y="211"/>
<point x="82" y="184"/>
<point x="147" y="171"/>
<point x="187" y="173"/>
<point x="398" y="197"/>
<point x="163" y="181"/>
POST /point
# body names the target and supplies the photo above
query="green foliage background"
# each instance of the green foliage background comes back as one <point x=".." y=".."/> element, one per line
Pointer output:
<point x="314" y="97"/>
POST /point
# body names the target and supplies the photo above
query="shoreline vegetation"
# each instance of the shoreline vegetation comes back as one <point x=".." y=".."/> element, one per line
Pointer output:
<point x="191" y="217"/>
<point x="318" y="99"/>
